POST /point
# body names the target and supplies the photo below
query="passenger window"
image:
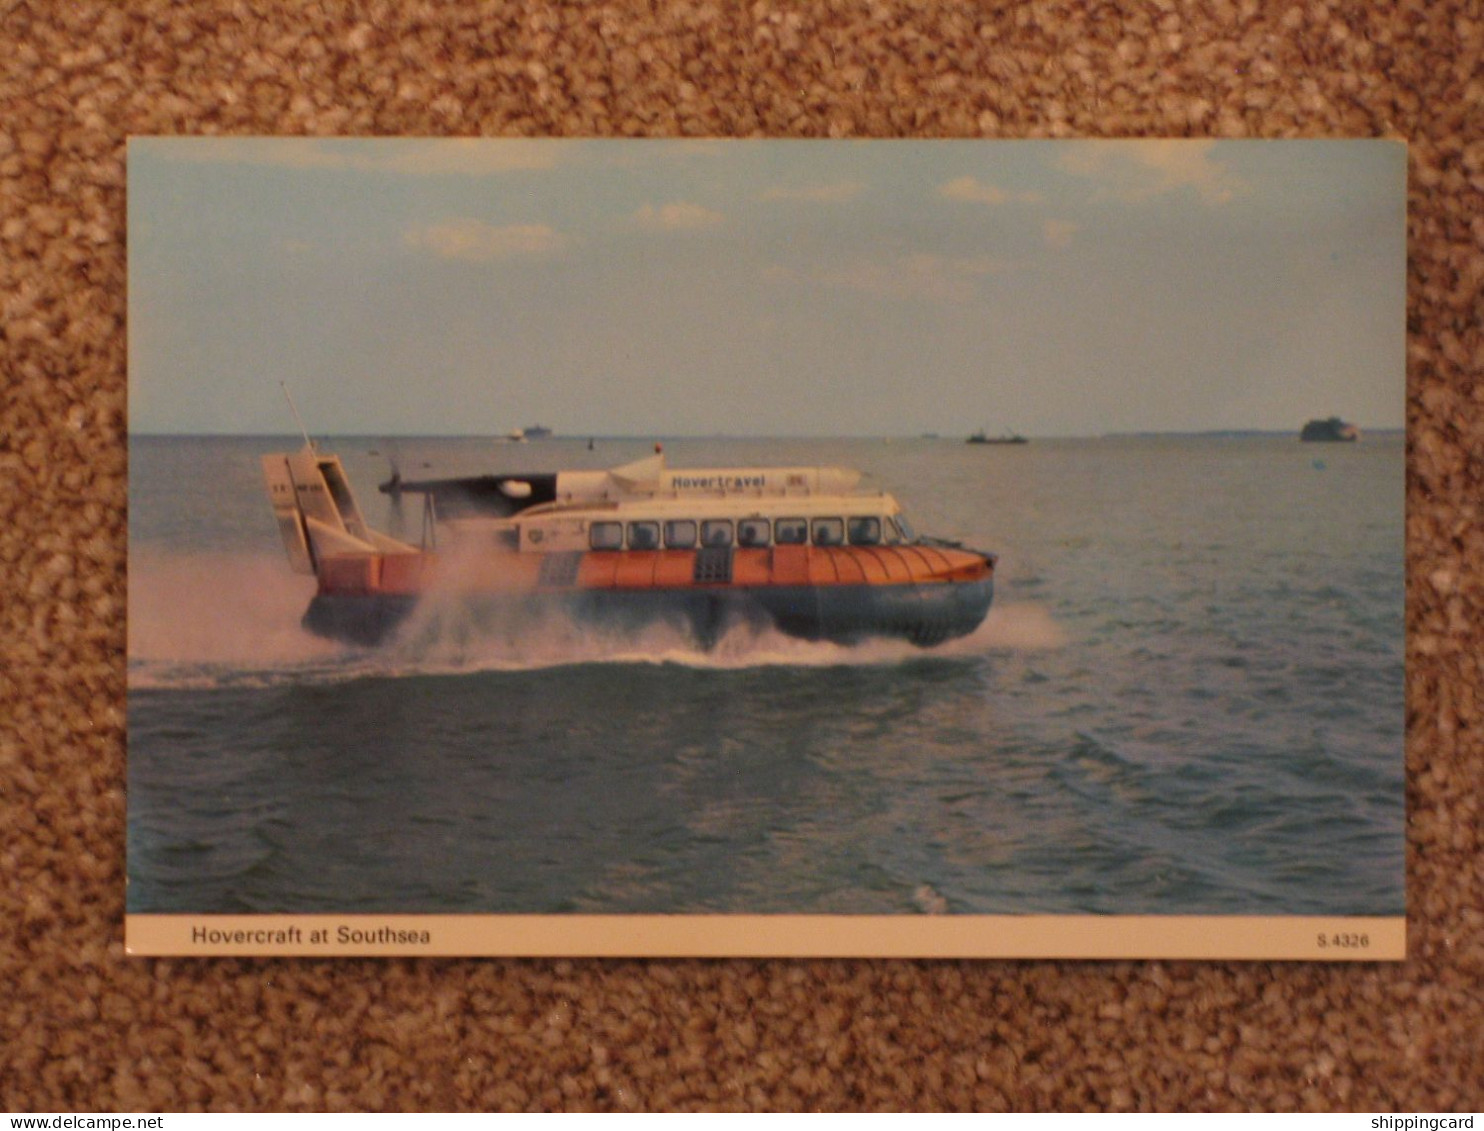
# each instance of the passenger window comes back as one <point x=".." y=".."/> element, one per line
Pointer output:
<point x="752" y="532"/>
<point x="716" y="532"/>
<point x="680" y="534"/>
<point x="606" y="536"/>
<point x="644" y="535"/>
<point x="791" y="531"/>
<point x="828" y="531"/>
<point x="865" y="531"/>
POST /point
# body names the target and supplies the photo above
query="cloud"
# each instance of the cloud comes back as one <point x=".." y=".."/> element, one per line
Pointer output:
<point x="1058" y="233"/>
<point x="975" y="191"/>
<point x="678" y="216"/>
<point x="1135" y="171"/>
<point x="476" y="157"/>
<point x="835" y="193"/>
<point x="970" y="188"/>
<point x="480" y="242"/>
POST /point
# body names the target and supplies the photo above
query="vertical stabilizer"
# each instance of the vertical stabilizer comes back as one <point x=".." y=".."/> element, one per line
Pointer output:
<point x="291" y="528"/>
<point x="317" y="512"/>
<point x="323" y="493"/>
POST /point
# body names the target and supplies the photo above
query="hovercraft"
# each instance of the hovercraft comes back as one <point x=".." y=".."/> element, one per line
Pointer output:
<point x="800" y="549"/>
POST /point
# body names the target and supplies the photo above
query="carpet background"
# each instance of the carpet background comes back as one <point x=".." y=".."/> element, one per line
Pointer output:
<point x="82" y="1028"/>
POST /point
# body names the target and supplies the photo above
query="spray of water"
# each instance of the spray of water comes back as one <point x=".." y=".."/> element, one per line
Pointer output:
<point x="194" y="616"/>
<point x="203" y="619"/>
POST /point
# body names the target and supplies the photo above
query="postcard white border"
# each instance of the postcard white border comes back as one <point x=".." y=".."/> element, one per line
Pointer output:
<point x="1188" y="937"/>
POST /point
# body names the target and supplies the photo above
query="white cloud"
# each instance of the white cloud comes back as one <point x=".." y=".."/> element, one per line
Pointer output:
<point x="972" y="189"/>
<point x="835" y="193"/>
<point x="1135" y="171"/>
<point x="475" y="240"/>
<point x="678" y="216"/>
<point x="975" y="191"/>
<point x="1058" y="233"/>
<point x="475" y="157"/>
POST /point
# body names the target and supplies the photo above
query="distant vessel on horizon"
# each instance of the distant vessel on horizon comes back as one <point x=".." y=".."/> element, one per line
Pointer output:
<point x="530" y="432"/>
<point x="1333" y="430"/>
<point x="980" y="437"/>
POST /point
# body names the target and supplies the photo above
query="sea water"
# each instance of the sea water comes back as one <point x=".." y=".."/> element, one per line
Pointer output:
<point x="1187" y="699"/>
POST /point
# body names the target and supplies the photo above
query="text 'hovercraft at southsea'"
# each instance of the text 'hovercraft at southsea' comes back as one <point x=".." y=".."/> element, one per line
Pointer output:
<point x="800" y="549"/>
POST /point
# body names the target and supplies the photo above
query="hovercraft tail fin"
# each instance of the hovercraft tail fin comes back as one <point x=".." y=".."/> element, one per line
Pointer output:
<point x="317" y="513"/>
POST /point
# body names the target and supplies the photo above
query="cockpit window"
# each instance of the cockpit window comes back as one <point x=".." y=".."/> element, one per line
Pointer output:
<point x="752" y="532"/>
<point x="606" y="536"/>
<point x="864" y="531"/>
<point x="680" y="534"/>
<point x="904" y="528"/>
<point x="828" y="531"/>
<point x="716" y="532"/>
<point x="791" y="531"/>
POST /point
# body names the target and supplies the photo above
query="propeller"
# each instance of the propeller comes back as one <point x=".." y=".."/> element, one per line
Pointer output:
<point x="392" y="488"/>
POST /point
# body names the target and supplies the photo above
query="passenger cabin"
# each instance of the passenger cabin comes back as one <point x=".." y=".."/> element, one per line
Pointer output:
<point x="645" y="507"/>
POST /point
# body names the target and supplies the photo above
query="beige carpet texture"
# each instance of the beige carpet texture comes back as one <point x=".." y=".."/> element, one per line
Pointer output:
<point x="84" y="1028"/>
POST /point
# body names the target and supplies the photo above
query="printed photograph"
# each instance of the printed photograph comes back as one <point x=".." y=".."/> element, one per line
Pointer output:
<point x="565" y="535"/>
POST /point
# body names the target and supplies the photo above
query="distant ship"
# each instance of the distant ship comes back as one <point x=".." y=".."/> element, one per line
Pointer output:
<point x="521" y="435"/>
<point x="979" y="437"/>
<point x="1333" y="430"/>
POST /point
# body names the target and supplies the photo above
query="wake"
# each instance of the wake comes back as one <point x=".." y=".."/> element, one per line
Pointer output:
<point x="217" y="620"/>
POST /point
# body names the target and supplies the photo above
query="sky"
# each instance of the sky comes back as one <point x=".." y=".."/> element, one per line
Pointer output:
<point x="788" y="288"/>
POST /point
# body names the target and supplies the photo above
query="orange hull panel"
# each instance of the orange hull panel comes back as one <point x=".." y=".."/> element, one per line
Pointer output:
<point x="821" y="566"/>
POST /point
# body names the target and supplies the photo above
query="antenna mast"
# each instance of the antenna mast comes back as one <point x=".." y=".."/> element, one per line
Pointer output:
<point x="308" y="443"/>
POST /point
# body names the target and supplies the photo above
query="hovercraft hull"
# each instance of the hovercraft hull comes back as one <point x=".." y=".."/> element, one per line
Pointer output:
<point x="925" y="615"/>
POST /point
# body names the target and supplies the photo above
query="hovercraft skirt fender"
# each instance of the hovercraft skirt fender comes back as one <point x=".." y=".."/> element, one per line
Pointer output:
<point x="846" y="614"/>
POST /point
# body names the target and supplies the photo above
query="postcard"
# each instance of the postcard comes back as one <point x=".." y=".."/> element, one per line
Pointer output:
<point x="869" y="548"/>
